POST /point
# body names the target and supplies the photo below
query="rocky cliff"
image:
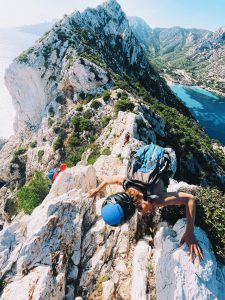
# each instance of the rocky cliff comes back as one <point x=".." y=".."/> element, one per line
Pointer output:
<point x="80" y="55"/>
<point x="64" y="249"/>
<point x="77" y="92"/>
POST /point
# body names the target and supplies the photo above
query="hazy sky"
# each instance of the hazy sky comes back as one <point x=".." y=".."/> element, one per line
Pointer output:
<point x="208" y="14"/>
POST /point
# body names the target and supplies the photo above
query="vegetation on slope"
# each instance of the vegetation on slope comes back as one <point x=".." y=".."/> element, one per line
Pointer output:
<point x="33" y="193"/>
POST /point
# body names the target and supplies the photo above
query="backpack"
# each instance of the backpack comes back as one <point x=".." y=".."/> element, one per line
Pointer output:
<point x="146" y="166"/>
<point x="51" y="173"/>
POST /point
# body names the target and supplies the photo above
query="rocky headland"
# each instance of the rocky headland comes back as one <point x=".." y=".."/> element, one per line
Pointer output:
<point x="77" y="92"/>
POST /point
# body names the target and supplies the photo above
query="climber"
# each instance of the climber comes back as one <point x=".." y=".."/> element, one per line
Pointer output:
<point x="53" y="173"/>
<point x="127" y="138"/>
<point x="147" y="197"/>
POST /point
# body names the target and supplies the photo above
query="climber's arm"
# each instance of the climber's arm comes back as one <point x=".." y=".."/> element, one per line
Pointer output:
<point x="117" y="179"/>
<point x="189" y="202"/>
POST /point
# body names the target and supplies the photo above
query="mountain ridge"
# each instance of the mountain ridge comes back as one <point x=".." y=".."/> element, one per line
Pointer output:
<point x="75" y="105"/>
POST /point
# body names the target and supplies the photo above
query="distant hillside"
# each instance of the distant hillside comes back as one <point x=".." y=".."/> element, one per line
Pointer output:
<point x="190" y="56"/>
<point x="38" y="29"/>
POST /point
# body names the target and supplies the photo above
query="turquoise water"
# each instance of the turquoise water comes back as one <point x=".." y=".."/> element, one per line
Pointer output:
<point x="208" y="108"/>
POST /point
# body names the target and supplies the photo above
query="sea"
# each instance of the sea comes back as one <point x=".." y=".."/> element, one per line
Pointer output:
<point x="207" y="107"/>
<point x="12" y="42"/>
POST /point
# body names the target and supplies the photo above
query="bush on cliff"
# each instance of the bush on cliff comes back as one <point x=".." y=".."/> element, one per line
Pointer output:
<point x="81" y="123"/>
<point x="123" y="105"/>
<point x="106" y="96"/>
<point x="23" y="58"/>
<point x="20" y="151"/>
<point x="96" y="104"/>
<point x="33" y="193"/>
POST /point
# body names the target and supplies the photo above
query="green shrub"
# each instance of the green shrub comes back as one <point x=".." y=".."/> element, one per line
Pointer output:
<point x="86" y="99"/>
<point x="85" y="124"/>
<point x="79" y="107"/>
<point x="2" y="284"/>
<point x="149" y="268"/>
<point x="73" y="140"/>
<point x="106" y="151"/>
<point x="51" y="111"/>
<point x="50" y="122"/>
<point x="32" y="194"/>
<point x="210" y="216"/>
<point x="122" y="84"/>
<point x="60" y="99"/>
<point x="119" y="95"/>
<point x="96" y="104"/>
<point x="58" y="143"/>
<point x="73" y="155"/>
<point x="105" y="121"/>
<point x="87" y="114"/>
<point x="62" y="35"/>
<point x="23" y="58"/>
<point x="76" y="123"/>
<point x="33" y="144"/>
<point x="95" y="153"/>
<point x="81" y="123"/>
<point x="62" y="133"/>
<point x="123" y="105"/>
<point x="106" y="96"/>
<point x="93" y="138"/>
<point x="10" y="208"/>
<point x="40" y="154"/>
<point x="19" y="151"/>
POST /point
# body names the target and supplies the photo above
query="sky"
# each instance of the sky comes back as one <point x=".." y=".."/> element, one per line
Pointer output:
<point x="207" y="14"/>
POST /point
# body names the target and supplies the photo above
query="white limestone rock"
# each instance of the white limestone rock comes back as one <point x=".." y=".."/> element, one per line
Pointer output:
<point x="38" y="284"/>
<point x="42" y="244"/>
<point x="81" y="177"/>
<point x="141" y="257"/>
<point x="106" y="167"/>
<point x="30" y="99"/>
<point x="82" y="76"/>
<point x="108" y="290"/>
<point x="179" y="278"/>
<point x="175" y="186"/>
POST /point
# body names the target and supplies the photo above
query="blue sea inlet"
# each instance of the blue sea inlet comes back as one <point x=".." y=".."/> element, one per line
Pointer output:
<point x="208" y="108"/>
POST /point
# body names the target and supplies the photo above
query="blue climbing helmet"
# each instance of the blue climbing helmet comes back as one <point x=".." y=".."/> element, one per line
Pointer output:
<point x="117" y="208"/>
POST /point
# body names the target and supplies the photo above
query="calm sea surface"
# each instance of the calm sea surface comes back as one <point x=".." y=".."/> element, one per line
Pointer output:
<point x="12" y="43"/>
<point x="208" y="108"/>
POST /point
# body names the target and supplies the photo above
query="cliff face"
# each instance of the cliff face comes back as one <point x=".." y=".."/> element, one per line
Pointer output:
<point x="68" y="86"/>
<point x="78" y="91"/>
<point x="64" y="249"/>
<point x="80" y="54"/>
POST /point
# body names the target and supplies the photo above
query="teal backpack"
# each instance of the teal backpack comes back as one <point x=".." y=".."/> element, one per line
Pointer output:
<point x="146" y="166"/>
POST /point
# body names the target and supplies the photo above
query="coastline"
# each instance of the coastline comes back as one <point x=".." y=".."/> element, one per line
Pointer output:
<point x="170" y="81"/>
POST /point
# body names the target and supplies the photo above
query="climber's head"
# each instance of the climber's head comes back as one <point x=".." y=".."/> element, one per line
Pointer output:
<point x="117" y="208"/>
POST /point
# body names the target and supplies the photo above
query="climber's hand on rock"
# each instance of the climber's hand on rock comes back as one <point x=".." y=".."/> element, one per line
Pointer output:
<point x="194" y="248"/>
<point x="93" y="193"/>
